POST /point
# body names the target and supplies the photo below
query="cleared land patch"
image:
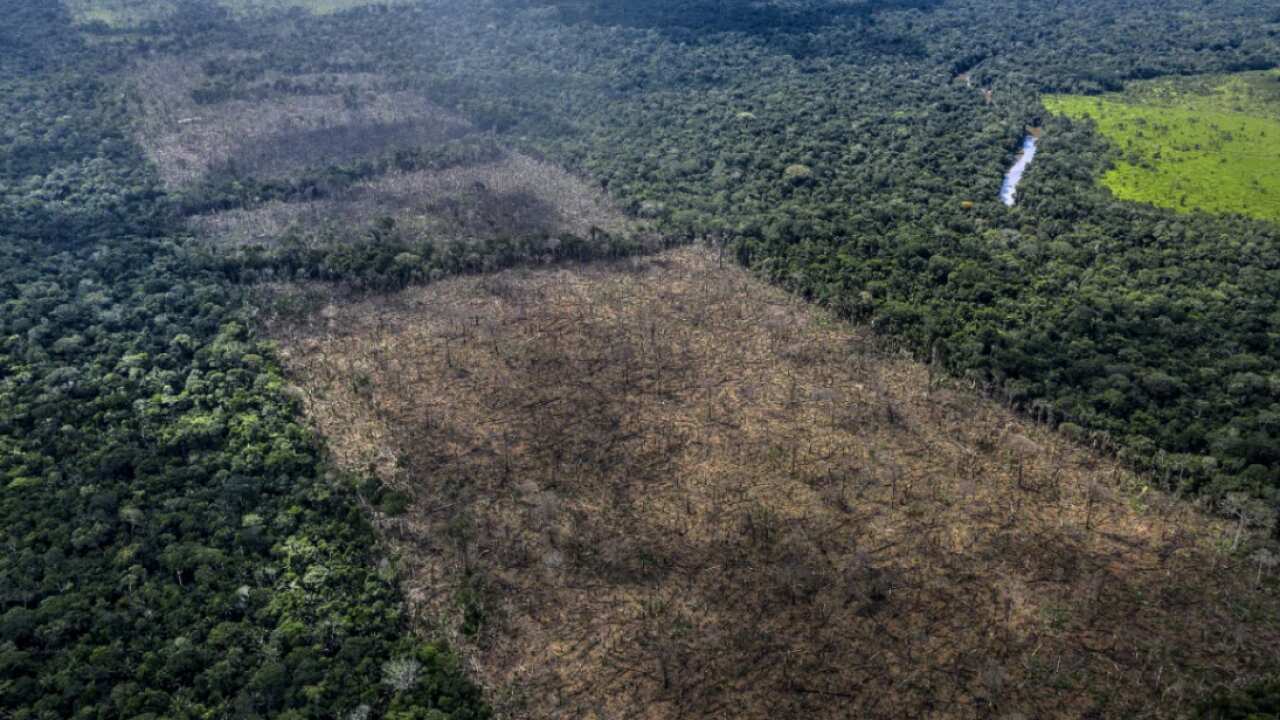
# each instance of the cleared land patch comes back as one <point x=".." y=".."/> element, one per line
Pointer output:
<point x="660" y="488"/>
<point x="121" y="13"/>
<point x="344" y="119"/>
<point x="131" y="13"/>
<point x="1209" y="143"/>
<point x="347" y="152"/>
<point x="513" y="196"/>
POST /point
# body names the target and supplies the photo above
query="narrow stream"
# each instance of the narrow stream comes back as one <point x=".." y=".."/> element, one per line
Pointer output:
<point x="1009" y="190"/>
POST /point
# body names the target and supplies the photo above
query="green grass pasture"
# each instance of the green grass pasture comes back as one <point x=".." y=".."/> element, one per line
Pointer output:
<point x="1209" y="143"/>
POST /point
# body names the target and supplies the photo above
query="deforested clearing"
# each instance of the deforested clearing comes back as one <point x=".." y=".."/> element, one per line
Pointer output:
<point x="286" y="126"/>
<point x="132" y="13"/>
<point x="512" y="196"/>
<point x="317" y="122"/>
<point x="121" y="13"/>
<point x="659" y="488"/>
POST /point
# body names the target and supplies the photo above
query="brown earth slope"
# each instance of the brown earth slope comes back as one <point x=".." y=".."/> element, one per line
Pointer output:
<point x="663" y="489"/>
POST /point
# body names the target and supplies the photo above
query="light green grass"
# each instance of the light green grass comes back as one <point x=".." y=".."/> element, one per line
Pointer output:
<point x="131" y="13"/>
<point x="1210" y="143"/>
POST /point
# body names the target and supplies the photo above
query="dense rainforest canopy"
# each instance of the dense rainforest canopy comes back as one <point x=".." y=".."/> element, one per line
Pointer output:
<point x="175" y="545"/>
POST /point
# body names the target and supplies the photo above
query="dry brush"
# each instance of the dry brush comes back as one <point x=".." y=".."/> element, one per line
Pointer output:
<point x="662" y="489"/>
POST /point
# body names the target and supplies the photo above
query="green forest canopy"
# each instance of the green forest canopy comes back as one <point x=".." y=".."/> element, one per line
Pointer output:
<point x="177" y="547"/>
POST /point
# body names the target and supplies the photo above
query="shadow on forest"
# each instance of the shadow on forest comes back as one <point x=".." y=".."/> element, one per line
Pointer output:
<point x="500" y="214"/>
<point x="333" y="145"/>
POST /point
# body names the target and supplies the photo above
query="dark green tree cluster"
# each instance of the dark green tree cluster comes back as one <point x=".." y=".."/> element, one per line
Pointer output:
<point x="383" y="259"/>
<point x="173" y="545"/>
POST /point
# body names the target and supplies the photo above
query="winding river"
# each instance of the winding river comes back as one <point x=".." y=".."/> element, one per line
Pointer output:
<point x="1009" y="190"/>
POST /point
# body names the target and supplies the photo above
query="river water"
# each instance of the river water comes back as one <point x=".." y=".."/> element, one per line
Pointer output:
<point x="1009" y="190"/>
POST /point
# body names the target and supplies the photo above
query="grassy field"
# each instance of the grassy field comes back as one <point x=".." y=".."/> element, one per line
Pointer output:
<point x="1206" y="143"/>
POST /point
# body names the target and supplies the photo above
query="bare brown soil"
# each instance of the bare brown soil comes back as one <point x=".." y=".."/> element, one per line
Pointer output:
<point x="663" y="489"/>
